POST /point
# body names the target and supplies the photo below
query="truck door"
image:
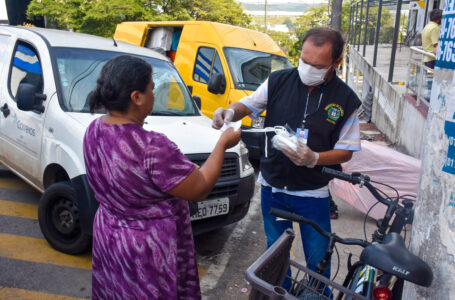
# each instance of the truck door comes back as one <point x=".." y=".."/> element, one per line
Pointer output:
<point x="5" y="54"/>
<point x="207" y="64"/>
<point x="21" y="131"/>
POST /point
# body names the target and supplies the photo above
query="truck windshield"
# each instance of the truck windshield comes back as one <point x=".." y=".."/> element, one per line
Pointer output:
<point x="249" y="69"/>
<point x="79" y="69"/>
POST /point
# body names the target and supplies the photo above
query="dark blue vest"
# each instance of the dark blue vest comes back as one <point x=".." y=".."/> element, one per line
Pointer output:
<point x="287" y="97"/>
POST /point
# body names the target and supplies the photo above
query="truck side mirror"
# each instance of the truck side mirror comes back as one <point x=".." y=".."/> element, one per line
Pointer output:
<point x="217" y="84"/>
<point x="28" y="99"/>
<point x="197" y="100"/>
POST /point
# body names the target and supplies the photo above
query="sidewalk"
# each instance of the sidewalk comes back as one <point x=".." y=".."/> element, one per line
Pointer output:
<point x="369" y="132"/>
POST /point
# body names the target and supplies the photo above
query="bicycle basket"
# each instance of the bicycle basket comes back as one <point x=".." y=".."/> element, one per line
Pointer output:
<point x="267" y="274"/>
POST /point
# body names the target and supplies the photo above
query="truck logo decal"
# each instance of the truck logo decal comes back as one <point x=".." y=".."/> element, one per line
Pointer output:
<point x="23" y="127"/>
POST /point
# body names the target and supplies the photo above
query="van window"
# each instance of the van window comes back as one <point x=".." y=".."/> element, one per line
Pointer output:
<point x="79" y="69"/>
<point x="26" y="68"/>
<point x="207" y="63"/>
<point x="250" y="68"/>
<point x="217" y="66"/>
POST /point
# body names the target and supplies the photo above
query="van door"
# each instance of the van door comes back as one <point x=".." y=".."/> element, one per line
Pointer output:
<point x="207" y="64"/>
<point x="5" y="46"/>
<point x="21" y="131"/>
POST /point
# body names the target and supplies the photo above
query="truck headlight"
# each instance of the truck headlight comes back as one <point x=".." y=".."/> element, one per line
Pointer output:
<point x="244" y="162"/>
<point x="258" y="123"/>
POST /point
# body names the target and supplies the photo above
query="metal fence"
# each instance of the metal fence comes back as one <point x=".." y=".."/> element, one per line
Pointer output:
<point x="420" y="77"/>
<point x="359" y="15"/>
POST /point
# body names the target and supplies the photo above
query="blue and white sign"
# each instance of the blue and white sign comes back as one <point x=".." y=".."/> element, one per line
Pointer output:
<point x="445" y="58"/>
<point x="445" y="54"/>
<point x="449" y="130"/>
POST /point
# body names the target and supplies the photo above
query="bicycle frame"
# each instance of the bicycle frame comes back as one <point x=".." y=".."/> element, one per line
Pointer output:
<point x="365" y="280"/>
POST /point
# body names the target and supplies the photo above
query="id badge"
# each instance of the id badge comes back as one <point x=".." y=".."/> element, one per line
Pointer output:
<point x="302" y="135"/>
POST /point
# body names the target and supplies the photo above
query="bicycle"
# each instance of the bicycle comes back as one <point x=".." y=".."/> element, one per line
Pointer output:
<point x="385" y="263"/>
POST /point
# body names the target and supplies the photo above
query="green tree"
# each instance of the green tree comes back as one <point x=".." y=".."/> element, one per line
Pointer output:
<point x="59" y="14"/>
<point x="94" y="17"/>
<point x="387" y="23"/>
<point x="100" y="17"/>
<point x="170" y="9"/>
<point x="223" y="11"/>
<point x="316" y="16"/>
<point x="288" y="22"/>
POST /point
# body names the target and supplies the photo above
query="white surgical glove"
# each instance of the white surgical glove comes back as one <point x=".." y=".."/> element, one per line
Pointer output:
<point x="222" y="116"/>
<point x="304" y="156"/>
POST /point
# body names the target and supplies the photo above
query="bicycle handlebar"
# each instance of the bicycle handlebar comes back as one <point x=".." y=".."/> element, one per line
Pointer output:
<point x="296" y="218"/>
<point x="357" y="178"/>
<point x="392" y="206"/>
<point x="352" y="178"/>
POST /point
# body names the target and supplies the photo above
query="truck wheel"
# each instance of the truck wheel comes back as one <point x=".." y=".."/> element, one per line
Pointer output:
<point x="58" y="217"/>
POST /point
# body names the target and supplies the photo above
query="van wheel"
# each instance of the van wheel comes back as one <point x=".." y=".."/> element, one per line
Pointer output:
<point x="58" y="217"/>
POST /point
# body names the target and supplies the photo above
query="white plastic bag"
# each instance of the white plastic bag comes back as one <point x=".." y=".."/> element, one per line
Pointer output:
<point x="234" y="125"/>
<point x="284" y="138"/>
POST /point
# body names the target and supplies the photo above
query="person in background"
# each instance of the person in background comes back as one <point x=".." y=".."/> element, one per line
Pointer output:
<point x="142" y="240"/>
<point x="430" y="37"/>
<point x="312" y="99"/>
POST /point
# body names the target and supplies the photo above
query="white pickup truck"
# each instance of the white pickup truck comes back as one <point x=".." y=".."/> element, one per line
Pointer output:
<point x="45" y="77"/>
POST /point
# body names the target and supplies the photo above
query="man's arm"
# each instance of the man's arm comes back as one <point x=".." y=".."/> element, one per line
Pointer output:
<point x="253" y="105"/>
<point x="333" y="157"/>
<point x="240" y="111"/>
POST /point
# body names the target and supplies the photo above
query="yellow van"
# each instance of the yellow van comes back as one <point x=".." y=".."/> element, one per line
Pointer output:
<point x="220" y="63"/>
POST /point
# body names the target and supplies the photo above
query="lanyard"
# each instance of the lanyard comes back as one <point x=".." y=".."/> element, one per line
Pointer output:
<point x="276" y="129"/>
<point x="305" y="114"/>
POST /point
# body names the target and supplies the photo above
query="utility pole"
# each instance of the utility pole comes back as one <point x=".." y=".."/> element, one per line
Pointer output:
<point x="265" y="16"/>
<point x="335" y="18"/>
<point x="433" y="229"/>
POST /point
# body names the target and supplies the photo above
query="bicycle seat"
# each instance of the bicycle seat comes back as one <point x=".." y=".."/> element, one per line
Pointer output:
<point x="393" y="257"/>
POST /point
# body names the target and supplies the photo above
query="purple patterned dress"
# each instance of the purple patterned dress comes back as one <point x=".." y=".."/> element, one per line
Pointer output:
<point x="142" y="240"/>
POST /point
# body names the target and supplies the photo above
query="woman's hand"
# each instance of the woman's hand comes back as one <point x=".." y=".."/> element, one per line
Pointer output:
<point x="200" y="182"/>
<point x="230" y="138"/>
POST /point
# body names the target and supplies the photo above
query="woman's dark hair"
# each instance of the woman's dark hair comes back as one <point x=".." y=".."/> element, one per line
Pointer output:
<point x="119" y="77"/>
<point x="321" y="35"/>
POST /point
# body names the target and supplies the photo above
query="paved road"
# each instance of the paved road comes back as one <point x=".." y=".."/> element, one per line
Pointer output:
<point x="31" y="269"/>
<point x="247" y="242"/>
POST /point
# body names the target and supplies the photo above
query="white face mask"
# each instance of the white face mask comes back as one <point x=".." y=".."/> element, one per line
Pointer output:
<point x="310" y="75"/>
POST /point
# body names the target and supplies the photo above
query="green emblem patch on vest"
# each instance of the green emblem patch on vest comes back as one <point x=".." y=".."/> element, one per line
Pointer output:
<point x="334" y="112"/>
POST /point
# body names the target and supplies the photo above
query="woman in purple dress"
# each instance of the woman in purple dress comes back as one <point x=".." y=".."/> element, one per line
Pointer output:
<point x="142" y="240"/>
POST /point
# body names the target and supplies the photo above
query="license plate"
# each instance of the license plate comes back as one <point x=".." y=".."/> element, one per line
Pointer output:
<point x="211" y="208"/>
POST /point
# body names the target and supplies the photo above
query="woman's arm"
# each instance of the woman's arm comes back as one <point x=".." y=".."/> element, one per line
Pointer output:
<point x="199" y="183"/>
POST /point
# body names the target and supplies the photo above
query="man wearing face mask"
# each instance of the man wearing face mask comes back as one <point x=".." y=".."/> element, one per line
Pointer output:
<point x="314" y="102"/>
